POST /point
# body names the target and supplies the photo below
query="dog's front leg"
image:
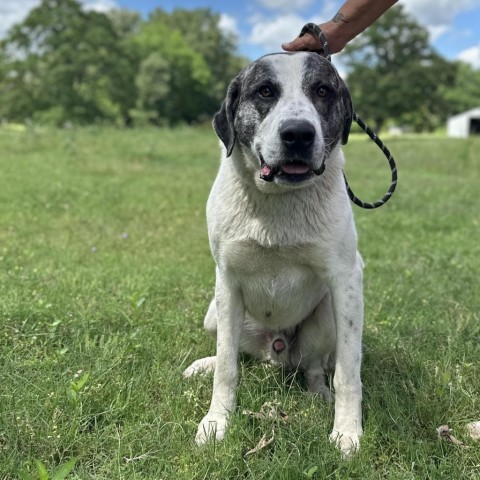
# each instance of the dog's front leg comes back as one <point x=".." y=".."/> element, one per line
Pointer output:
<point x="347" y="296"/>
<point x="230" y="316"/>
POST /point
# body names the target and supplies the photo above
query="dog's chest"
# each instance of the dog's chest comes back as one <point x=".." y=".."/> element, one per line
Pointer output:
<point x="279" y="285"/>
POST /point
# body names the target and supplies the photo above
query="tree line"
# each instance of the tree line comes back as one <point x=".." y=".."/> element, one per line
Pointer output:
<point x="63" y="64"/>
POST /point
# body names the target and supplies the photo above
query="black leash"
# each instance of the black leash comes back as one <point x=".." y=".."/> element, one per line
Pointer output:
<point x="315" y="30"/>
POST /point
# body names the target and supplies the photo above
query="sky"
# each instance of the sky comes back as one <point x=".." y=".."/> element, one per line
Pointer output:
<point x="262" y="25"/>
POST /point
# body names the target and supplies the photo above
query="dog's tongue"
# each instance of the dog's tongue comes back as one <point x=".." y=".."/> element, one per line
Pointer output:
<point x="295" y="168"/>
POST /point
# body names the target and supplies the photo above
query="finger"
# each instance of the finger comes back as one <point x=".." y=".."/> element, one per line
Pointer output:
<point x="299" y="44"/>
<point x="307" y="42"/>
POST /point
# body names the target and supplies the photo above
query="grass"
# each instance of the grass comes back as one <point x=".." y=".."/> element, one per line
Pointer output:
<point x="105" y="275"/>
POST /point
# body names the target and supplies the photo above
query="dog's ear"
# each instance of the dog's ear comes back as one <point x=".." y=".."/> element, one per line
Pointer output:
<point x="348" y="110"/>
<point x="223" y="121"/>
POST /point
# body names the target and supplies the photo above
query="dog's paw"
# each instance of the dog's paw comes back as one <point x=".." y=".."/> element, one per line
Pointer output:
<point x="348" y="443"/>
<point x="203" y="365"/>
<point x="325" y="393"/>
<point x="212" y="426"/>
<point x="317" y="385"/>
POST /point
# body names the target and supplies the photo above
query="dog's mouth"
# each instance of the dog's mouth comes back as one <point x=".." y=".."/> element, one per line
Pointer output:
<point x="292" y="171"/>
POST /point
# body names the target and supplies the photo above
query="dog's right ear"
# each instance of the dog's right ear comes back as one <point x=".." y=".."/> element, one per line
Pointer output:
<point x="223" y="121"/>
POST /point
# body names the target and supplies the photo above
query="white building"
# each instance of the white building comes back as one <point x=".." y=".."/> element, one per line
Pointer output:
<point x="464" y="124"/>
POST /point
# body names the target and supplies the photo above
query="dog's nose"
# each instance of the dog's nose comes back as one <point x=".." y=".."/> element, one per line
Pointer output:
<point x="297" y="135"/>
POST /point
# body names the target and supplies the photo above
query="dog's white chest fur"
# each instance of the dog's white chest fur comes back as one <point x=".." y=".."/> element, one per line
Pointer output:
<point x="279" y="286"/>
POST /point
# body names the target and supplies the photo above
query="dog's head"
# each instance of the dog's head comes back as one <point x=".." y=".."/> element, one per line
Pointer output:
<point x="285" y="113"/>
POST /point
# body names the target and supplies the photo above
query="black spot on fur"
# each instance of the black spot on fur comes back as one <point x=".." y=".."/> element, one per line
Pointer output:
<point x="253" y="108"/>
<point x="335" y="109"/>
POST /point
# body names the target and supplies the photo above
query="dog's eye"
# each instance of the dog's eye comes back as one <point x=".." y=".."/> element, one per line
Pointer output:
<point x="322" y="91"/>
<point x="265" y="91"/>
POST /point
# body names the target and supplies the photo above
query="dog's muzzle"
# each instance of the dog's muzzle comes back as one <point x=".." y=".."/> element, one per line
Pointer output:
<point x="298" y="140"/>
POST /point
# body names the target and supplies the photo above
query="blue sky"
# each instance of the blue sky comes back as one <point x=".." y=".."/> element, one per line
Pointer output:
<point x="262" y="25"/>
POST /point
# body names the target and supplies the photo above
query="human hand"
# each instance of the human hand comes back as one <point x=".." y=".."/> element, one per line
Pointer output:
<point x="307" y="42"/>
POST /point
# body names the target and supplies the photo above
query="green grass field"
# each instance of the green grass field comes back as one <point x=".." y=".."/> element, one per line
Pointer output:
<point x="105" y="275"/>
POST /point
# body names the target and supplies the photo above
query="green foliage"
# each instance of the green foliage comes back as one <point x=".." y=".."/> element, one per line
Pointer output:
<point x="200" y="29"/>
<point x="125" y="22"/>
<point x="67" y="65"/>
<point x="63" y="64"/>
<point x="187" y="62"/>
<point x="465" y="94"/>
<point x="42" y="473"/>
<point x="173" y="79"/>
<point x="395" y="74"/>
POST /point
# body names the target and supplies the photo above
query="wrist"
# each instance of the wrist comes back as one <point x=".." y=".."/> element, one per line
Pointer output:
<point x="336" y="37"/>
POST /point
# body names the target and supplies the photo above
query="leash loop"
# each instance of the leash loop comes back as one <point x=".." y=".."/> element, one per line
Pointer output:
<point x="314" y="29"/>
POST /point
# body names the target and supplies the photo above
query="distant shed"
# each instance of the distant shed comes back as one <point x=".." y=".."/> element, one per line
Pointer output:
<point x="464" y="124"/>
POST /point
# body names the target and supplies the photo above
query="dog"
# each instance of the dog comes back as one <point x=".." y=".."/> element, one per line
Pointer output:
<point x="289" y="277"/>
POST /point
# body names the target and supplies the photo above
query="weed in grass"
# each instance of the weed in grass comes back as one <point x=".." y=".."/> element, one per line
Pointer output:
<point x="42" y="473"/>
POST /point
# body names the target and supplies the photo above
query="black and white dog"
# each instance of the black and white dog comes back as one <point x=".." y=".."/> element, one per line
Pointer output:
<point x="289" y="281"/>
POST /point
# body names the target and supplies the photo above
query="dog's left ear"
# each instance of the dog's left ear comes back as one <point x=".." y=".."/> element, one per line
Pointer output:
<point x="223" y="121"/>
<point x="348" y="110"/>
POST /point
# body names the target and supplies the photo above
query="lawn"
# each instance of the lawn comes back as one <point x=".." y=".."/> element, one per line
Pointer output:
<point x="105" y="275"/>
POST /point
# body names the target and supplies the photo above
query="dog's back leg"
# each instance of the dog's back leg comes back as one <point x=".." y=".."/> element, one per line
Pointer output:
<point x="207" y="364"/>
<point x="253" y="341"/>
<point x="316" y="377"/>
<point x="314" y="347"/>
<point x="210" y="321"/>
<point x="202" y="365"/>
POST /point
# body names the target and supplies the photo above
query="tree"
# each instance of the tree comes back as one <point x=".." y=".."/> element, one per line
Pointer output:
<point x="201" y="29"/>
<point x="125" y="22"/>
<point x="66" y="64"/>
<point x="173" y="80"/>
<point x="395" y="73"/>
<point x="465" y="93"/>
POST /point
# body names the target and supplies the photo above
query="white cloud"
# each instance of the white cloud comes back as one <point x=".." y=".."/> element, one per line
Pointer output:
<point x="285" y="4"/>
<point x="471" y="55"/>
<point x="438" y="12"/>
<point x="102" y="6"/>
<point x="436" y="31"/>
<point x="328" y="10"/>
<point x="437" y="15"/>
<point x="272" y="32"/>
<point x="13" y="11"/>
<point x="228" y="24"/>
